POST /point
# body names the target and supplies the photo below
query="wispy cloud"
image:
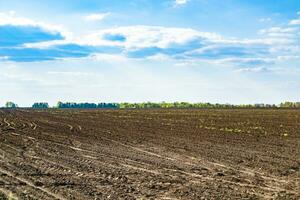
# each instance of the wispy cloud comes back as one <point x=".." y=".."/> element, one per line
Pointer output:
<point x="96" y="16"/>
<point x="295" y="22"/>
<point x="4" y="58"/>
<point x="181" y="2"/>
<point x="11" y="19"/>
<point x="280" y="32"/>
<point x="132" y="37"/>
<point x="262" y="70"/>
<point x="254" y="70"/>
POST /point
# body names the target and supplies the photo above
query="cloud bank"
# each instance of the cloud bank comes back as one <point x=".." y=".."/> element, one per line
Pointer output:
<point x="25" y="40"/>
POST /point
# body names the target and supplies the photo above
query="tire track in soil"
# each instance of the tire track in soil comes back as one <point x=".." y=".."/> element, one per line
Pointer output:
<point x="192" y="175"/>
<point x="8" y="126"/>
<point x="54" y="170"/>
<point x="71" y="128"/>
<point x="272" y="184"/>
<point x="8" y="194"/>
<point x="6" y="122"/>
<point x="243" y="170"/>
<point x="138" y="149"/>
<point x="33" y="125"/>
<point x="269" y="188"/>
<point x="30" y="184"/>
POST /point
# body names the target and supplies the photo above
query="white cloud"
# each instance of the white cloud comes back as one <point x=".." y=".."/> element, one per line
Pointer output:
<point x="96" y="16"/>
<point x="181" y="2"/>
<point x="279" y="32"/>
<point x="295" y="22"/>
<point x="245" y="61"/>
<point x="288" y="49"/>
<point x="163" y="43"/>
<point x="136" y="37"/>
<point x="4" y="58"/>
<point x="47" y="44"/>
<point x="147" y="36"/>
<point x="167" y="42"/>
<point x="253" y="70"/>
<point x="273" y="70"/>
<point x="288" y="57"/>
<point x="10" y="18"/>
<point x="159" y="57"/>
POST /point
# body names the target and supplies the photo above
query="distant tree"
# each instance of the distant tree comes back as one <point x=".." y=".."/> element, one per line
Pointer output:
<point x="288" y="104"/>
<point x="86" y="105"/>
<point x="108" y="105"/>
<point x="10" y="105"/>
<point x="59" y="104"/>
<point x="40" y="105"/>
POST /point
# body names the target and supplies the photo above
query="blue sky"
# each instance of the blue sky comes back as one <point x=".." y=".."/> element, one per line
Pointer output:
<point x="230" y="51"/>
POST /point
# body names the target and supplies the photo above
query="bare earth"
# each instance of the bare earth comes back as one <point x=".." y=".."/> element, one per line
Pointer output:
<point x="149" y="154"/>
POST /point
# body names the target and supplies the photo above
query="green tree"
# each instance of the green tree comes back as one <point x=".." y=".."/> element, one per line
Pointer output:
<point x="10" y="105"/>
<point x="40" y="105"/>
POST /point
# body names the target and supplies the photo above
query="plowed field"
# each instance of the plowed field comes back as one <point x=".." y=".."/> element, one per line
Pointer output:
<point x="149" y="154"/>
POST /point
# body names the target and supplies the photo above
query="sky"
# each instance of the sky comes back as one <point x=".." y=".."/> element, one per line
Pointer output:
<point x="230" y="51"/>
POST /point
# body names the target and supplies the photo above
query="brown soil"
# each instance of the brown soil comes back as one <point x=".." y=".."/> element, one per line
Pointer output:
<point x="149" y="154"/>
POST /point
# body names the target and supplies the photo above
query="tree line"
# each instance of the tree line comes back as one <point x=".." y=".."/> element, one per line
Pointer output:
<point x="62" y="105"/>
<point x="288" y="104"/>
<point x="86" y="105"/>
